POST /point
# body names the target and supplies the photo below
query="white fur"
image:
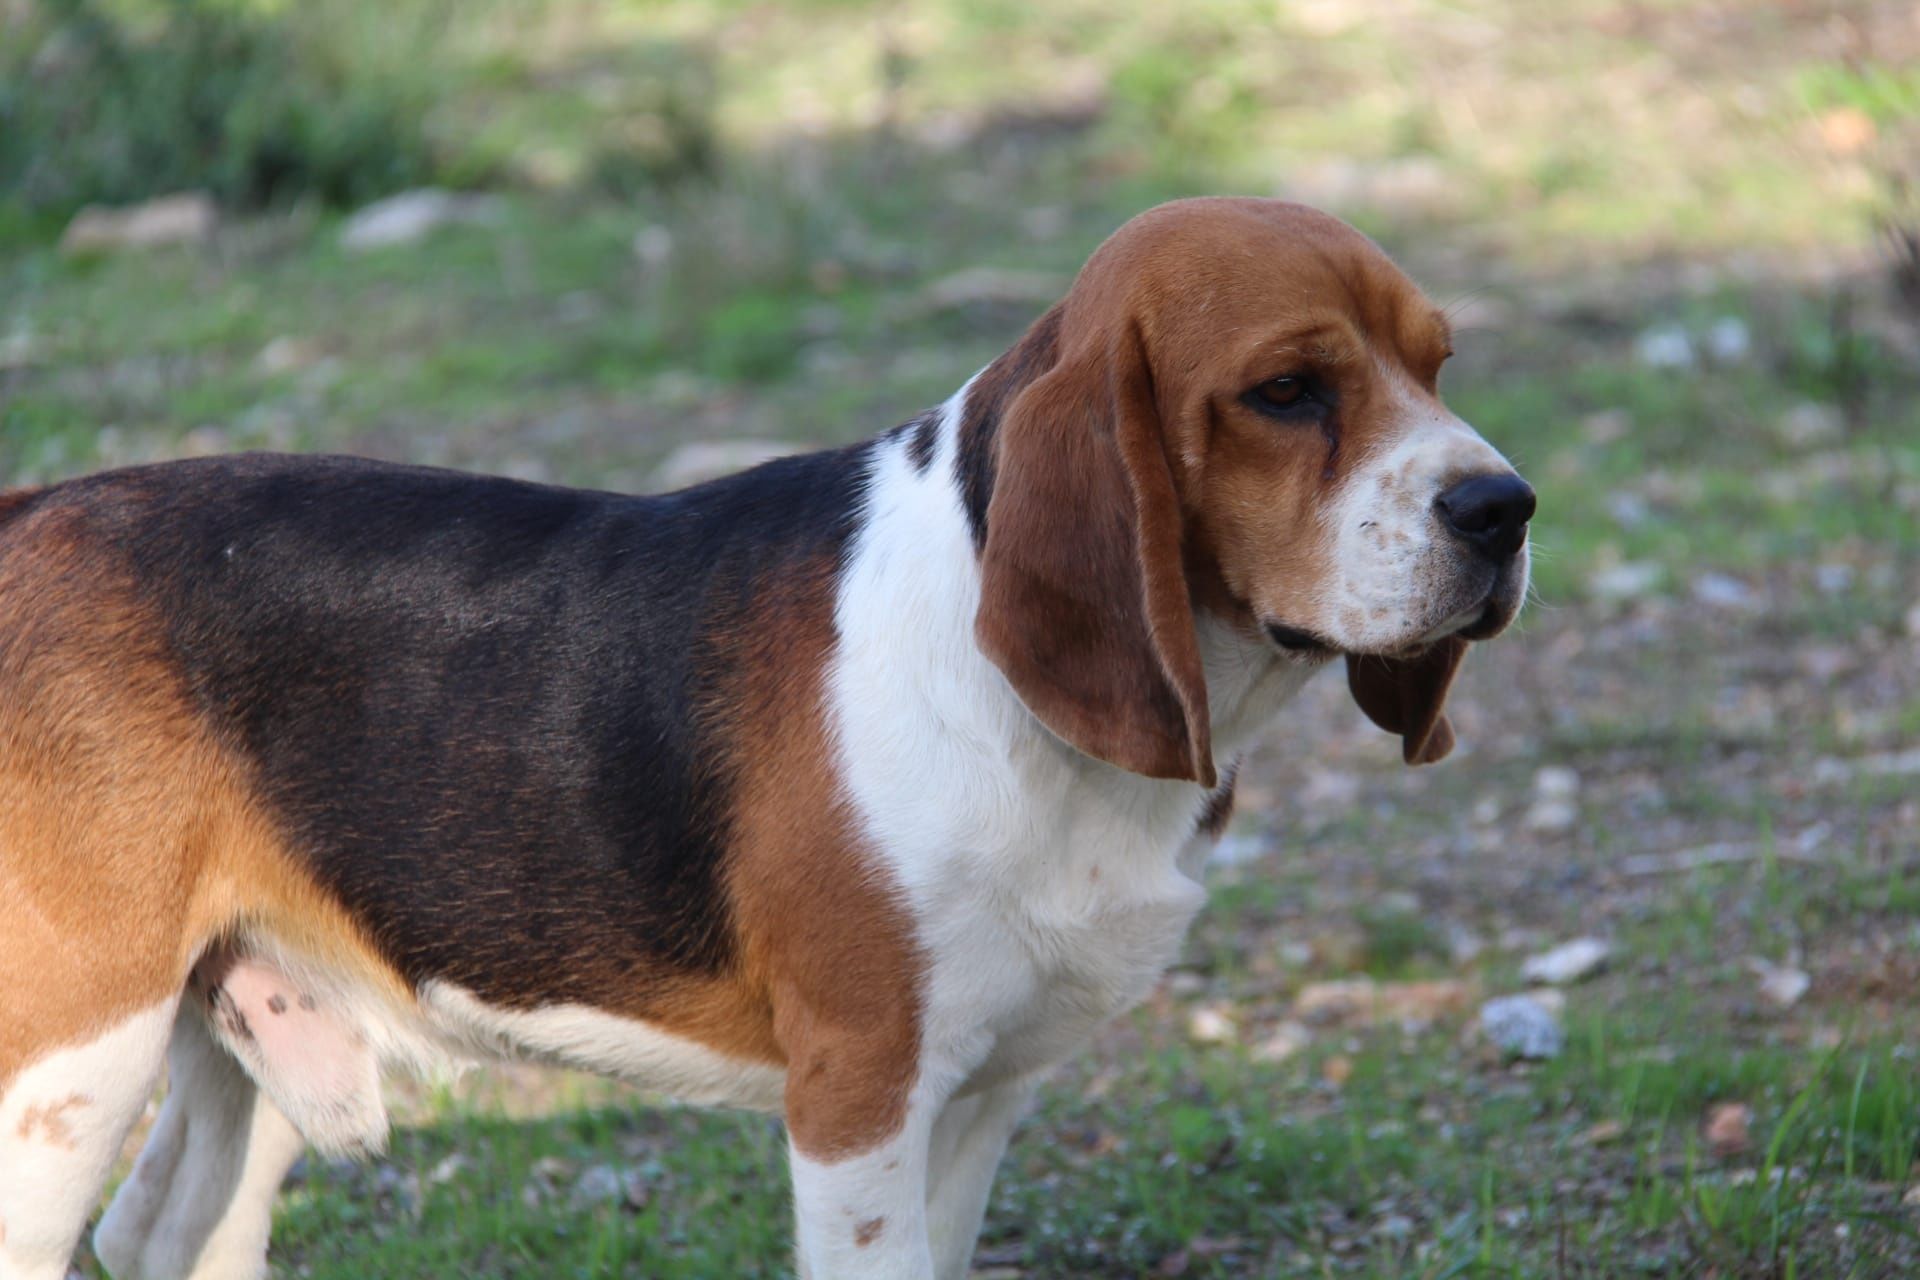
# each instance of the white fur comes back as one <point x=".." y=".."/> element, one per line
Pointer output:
<point x="1047" y="886"/>
<point x="62" y="1122"/>
<point x="585" y="1038"/>
<point x="1050" y="890"/>
<point x="199" y="1203"/>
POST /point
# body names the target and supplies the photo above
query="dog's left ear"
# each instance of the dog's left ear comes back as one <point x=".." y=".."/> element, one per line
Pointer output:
<point x="1408" y="696"/>
<point x="1084" y="603"/>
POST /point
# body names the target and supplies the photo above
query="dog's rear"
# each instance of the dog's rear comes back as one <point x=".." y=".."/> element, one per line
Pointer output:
<point x="127" y="845"/>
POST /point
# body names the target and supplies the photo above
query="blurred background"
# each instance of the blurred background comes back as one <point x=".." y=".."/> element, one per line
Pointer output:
<point x="1628" y="986"/>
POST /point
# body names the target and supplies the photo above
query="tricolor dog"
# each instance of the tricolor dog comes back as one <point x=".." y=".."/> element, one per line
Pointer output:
<point x="861" y="787"/>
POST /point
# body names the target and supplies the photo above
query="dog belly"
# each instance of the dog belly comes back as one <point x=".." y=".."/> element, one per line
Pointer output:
<point x="589" y="1039"/>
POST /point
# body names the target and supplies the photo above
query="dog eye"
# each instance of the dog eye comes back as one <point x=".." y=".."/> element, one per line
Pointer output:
<point x="1282" y="393"/>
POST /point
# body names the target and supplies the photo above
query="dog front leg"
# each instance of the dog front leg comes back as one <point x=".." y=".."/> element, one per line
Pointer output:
<point x="859" y="1120"/>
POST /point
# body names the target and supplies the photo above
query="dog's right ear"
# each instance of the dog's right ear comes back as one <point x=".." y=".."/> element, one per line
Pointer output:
<point x="1084" y="603"/>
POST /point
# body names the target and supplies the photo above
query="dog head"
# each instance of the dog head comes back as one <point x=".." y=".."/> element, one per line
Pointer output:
<point x="1236" y="409"/>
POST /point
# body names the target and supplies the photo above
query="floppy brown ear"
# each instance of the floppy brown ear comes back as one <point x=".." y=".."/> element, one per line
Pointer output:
<point x="1084" y="602"/>
<point x="1407" y="696"/>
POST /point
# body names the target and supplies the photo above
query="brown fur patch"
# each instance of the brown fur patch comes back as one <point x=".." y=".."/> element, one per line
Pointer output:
<point x="50" y="1119"/>
<point x="867" y="1232"/>
<point x="130" y="838"/>
<point x="828" y="951"/>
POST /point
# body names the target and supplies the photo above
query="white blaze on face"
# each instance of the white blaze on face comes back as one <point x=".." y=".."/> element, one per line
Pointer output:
<point x="1397" y="575"/>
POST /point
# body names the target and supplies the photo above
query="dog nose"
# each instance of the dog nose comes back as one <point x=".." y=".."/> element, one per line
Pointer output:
<point x="1490" y="512"/>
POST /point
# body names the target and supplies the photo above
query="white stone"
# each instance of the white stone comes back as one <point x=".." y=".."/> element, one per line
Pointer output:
<point x="1810" y="423"/>
<point x="987" y="286"/>
<point x="1211" y="1024"/>
<point x="1724" y="591"/>
<point x="411" y="216"/>
<point x="187" y="218"/>
<point x="1782" y="985"/>
<point x="600" y="1184"/>
<point x="653" y="246"/>
<point x="1523" y="1028"/>
<point x="1286" y="1040"/>
<point x="1569" y="962"/>
<point x="1628" y="580"/>
<point x="1664" y="346"/>
<point x="1729" y="341"/>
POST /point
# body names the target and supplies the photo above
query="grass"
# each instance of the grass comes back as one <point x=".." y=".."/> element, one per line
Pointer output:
<point x="1567" y="182"/>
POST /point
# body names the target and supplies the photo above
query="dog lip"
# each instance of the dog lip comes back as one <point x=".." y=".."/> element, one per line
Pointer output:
<point x="1296" y="640"/>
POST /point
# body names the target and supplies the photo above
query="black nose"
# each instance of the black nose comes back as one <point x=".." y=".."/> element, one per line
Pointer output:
<point x="1489" y="511"/>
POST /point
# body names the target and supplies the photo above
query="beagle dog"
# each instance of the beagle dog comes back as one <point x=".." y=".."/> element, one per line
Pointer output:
<point x="860" y="787"/>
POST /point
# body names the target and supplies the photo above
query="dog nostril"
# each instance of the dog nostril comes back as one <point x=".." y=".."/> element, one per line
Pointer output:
<point x="1489" y="511"/>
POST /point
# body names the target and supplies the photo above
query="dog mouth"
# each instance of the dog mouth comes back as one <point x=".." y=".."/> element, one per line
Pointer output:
<point x="1298" y="640"/>
<point x="1484" y="619"/>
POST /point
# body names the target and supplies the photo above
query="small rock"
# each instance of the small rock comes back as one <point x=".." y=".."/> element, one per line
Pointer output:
<point x="1236" y="850"/>
<point x="1045" y="222"/>
<point x="1395" y="1226"/>
<point x="1287" y="1039"/>
<point x="993" y="286"/>
<point x="1912" y="622"/>
<point x="1911" y="1200"/>
<point x="1781" y="986"/>
<point x="1295" y="954"/>
<point x="1337" y="1070"/>
<point x="1604" y="1132"/>
<point x="1832" y="579"/>
<point x="1211" y="1024"/>
<point x="1522" y="1028"/>
<point x="1362" y="1001"/>
<point x="411" y="216"/>
<point x="1809" y="424"/>
<point x="287" y="355"/>
<point x="702" y="460"/>
<point x="1628" y="580"/>
<point x="1463" y="944"/>
<point x="1724" y="591"/>
<point x="1556" y="782"/>
<point x="1664" y="346"/>
<point x="186" y="218"/>
<point x="1847" y="130"/>
<point x="447" y="1170"/>
<point x="1556" y="806"/>
<point x="1606" y="426"/>
<point x="18" y="351"/>
<point x="653" y="246"/>
<point x="600" y="1184"/>
<point x="1729" y="341"/>
<point x="1567" y="963"/>
<point x="1324" y="1003"/>
<point x="1728" y="1130"/>
<point x="1628" y="509"/>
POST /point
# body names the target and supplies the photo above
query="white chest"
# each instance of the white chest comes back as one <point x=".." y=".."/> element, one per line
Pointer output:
<point x="1049" y="890"/>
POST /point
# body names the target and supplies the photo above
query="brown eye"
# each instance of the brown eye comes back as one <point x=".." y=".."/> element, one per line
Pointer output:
<point x="1283" y="393"/>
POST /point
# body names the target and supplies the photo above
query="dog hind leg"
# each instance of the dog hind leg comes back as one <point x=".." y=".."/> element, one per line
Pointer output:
<point x="63" y="1120"/>
<point x="199" y="1204"/>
